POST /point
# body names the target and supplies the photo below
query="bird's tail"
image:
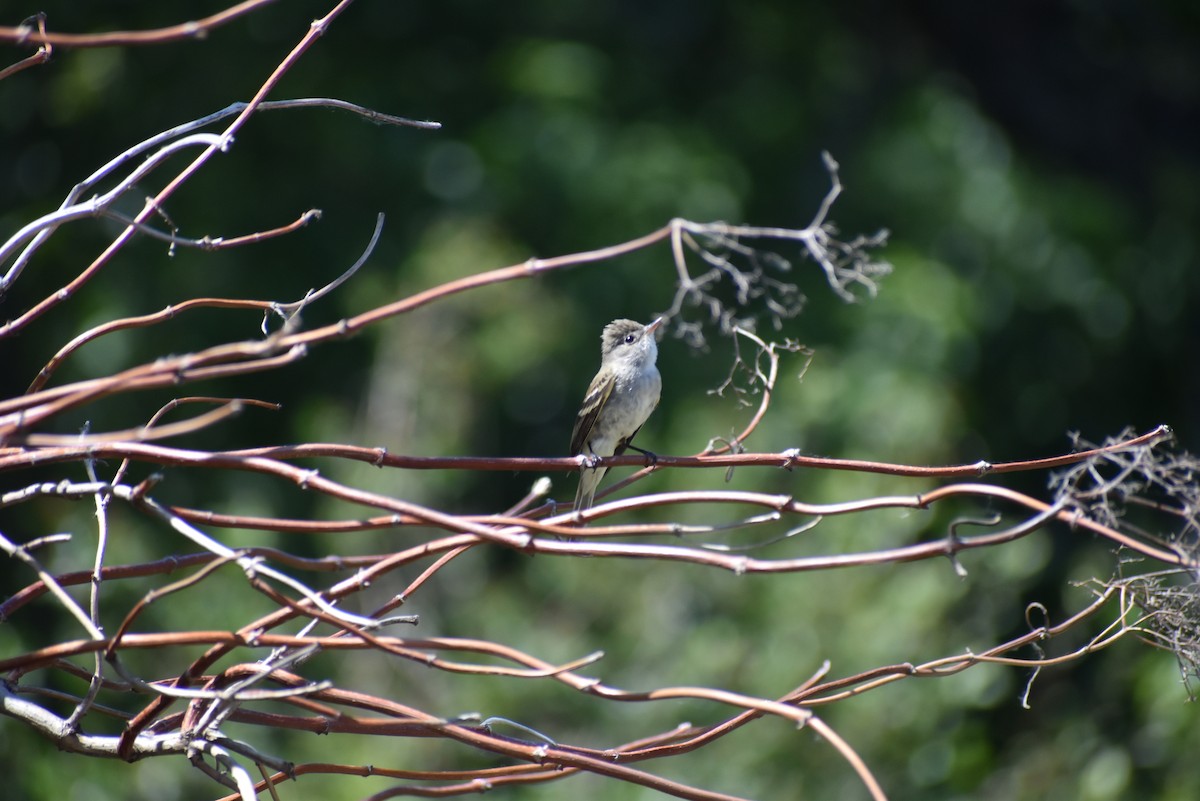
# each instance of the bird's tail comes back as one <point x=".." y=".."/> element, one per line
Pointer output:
<point x="589" y="480"/>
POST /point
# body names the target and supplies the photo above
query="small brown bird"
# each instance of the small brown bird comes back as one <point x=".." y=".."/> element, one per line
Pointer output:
<point x="618" y="401"/>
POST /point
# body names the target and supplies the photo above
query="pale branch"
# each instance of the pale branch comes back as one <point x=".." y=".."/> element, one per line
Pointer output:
<point x="215" y="143"/>
<point x="55" y="728"/>
<point x="165" y="139"/>
<point x="33" y="234"/>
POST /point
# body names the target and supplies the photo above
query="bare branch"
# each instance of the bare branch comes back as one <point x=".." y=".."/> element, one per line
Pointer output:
<point x="253" y="665"/>
<point x="198" y="29"/>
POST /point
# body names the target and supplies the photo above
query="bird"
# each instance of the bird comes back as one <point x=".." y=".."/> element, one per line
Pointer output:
<point x="618" y="401"/>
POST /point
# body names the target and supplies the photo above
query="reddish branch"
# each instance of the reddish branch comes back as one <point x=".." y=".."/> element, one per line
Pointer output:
<point x="258" y="661"/>
<point x="197" y="29"/>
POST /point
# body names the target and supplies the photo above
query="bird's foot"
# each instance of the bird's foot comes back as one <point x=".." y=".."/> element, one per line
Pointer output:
<point x="588" y="460"/>
<point x="651" y="456"/>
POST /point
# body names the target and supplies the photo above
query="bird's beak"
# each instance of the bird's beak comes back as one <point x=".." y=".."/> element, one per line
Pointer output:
<point x="652" y="327"/>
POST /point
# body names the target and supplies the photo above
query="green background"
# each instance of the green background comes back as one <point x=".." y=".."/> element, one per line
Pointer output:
<point x="1037" y="167"/>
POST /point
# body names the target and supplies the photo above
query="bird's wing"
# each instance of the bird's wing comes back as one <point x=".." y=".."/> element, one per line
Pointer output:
<point x="597" y="395"/>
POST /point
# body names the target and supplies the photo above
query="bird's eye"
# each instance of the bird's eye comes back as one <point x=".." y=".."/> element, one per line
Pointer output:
<point x="629" y="338"/>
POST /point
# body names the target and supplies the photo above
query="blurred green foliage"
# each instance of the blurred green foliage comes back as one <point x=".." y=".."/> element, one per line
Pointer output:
<point x="1038" y="166"/>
